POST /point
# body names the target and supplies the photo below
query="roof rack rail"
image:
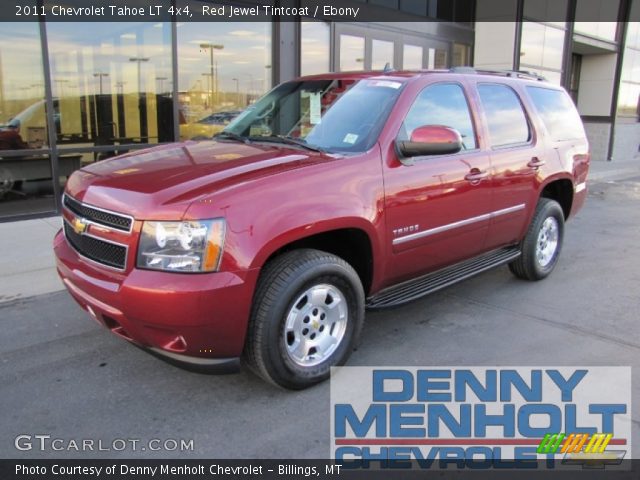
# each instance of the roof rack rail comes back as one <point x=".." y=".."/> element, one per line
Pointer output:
<point x="463" y="70"/>
<point x="505" y="73"/>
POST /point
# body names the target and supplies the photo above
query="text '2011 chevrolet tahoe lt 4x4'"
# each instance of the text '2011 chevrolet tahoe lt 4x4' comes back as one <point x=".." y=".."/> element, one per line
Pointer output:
<point x="331" y="194"/>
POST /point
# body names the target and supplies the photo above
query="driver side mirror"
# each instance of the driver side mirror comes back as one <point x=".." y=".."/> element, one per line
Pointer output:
<point x="431" y="140"/>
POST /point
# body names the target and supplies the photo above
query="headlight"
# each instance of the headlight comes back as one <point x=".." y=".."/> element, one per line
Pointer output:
<point x="189" y="246"/>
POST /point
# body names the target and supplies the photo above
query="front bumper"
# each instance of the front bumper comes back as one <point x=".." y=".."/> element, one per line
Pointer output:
<point x="197" y="321"/>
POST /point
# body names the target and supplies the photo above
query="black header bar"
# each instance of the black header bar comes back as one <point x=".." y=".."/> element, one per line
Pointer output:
<point x="287" y="11"/>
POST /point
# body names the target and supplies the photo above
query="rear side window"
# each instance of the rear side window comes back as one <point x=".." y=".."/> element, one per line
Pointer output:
<point x="441" y="104"/>
<point x="558" y="113"/>
<point x="506" y="119"/>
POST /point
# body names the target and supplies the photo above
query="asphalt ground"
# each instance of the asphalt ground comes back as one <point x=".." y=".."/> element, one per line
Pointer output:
<point x="63" y="375"/>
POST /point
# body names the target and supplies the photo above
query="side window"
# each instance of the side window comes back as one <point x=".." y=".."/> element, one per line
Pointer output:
<point x="506" y="119"/>
<point x="441" y="104"/>
<point x="558" y="113"/>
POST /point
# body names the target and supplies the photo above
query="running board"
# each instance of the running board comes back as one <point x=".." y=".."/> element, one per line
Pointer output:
<point x="421" y="286"/>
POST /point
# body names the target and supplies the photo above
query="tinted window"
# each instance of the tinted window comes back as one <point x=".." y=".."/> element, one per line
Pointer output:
<point x="506" y="120"/>
<point x="557" y="112"/>
<point x="441" y="104"/>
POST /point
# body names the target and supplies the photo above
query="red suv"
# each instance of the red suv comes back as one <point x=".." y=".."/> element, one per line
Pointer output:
<point x="331" y="194"/>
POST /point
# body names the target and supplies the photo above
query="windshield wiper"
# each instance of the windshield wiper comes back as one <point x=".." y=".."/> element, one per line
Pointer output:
<point x="289" y="141"/>
<point x="232" y="136"/>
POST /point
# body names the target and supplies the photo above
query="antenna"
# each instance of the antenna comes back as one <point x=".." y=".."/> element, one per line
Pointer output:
<point x="388" y="68"/>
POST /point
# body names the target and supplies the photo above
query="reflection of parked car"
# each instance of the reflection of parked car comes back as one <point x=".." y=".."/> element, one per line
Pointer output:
<point x="207" y="126"/>
<point x="10" y="138"/>
<point x="27" y="130"/>
<point x="330" y="194"/>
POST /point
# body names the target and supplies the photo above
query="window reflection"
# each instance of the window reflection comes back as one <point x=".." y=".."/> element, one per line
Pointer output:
<point x="506" y="119"/>
<point x="412" y="57"/>
<point x="629" y="94"/>
<point x="461" y="55"/>
<point x="22" y="109"/>
<point x="541" y="46"/>
<point x="381" y="54"/>
<point x="440" y="59"/>
<point x="602" y="30"/>
<point x="314" y="47"/>
<point x="25" y="166"/>
<point x="351" y="53"/>
<point x="223" y="68"/>
<point x="111" y="84"/>
<point x="541" y="50"/>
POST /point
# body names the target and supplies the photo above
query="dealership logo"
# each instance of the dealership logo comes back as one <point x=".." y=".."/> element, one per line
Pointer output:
<point x="589" y="451"/>
<point x="480" y="417"/>
<point x="80" y="225"/>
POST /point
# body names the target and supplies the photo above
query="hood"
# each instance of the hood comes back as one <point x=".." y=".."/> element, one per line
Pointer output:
<point x="160" y="181"/>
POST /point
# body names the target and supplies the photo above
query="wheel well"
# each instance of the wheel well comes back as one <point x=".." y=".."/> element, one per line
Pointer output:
<point x="350" y="244"/>
<point x="562" y="192"/>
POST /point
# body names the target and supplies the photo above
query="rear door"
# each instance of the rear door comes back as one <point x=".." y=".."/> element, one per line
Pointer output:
<point x="517" y="155"/>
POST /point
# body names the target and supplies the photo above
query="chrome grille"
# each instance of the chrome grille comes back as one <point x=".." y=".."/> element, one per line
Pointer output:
<point x="98" y="215"/>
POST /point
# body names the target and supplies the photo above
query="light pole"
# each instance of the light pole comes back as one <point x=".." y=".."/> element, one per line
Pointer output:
<point x="161" y="80"/>
<point x="211" y="47"/>
<point x="139" y="60"/>
<point x="100" y="75"/>
<point x="237" y="90"/>
<point x="250" y="89"/>
<point x="142" y="102"/>
<point x="120" y="87"/>
<point x="210" y="88"/>
<point x="267" y="77"/>
<point x="61" y="84"/>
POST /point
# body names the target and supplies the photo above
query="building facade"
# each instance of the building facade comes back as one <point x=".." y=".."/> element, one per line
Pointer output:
<point x="76" y="93"/>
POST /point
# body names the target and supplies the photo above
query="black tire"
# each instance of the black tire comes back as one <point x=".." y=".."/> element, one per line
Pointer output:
<point x="282" y="283"/>
<point x="529" y="266"/>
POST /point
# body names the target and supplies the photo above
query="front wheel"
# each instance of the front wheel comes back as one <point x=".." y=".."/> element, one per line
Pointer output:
<point x="307" y="316"/>
<point x="542" y="244"/>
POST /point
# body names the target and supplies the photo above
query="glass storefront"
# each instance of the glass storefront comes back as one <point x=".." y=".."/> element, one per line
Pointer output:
<point x="112" y="88"/>
<point x="629" y="95"/>
<point x="461" y="55"/>
<point x="381" y="54"/>
<point x="541" y="50"/>
<point x="25" y="168"/>
<point x="111" y="85"/>
<point x="315" y="45"/>
<point x="412" y="57"/>
<point x="351" y="53"/>
<point x="221" y="72"/>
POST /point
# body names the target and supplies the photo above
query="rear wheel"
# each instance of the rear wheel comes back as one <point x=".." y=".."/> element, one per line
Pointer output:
<point x="307" y="316"/>
<point x="542" y="245"/>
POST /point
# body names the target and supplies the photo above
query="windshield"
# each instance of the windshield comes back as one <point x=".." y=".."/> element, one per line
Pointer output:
<point x="329" y="115"/>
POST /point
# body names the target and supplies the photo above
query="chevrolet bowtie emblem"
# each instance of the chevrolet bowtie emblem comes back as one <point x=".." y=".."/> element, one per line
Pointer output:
<point x="80" y="226"/>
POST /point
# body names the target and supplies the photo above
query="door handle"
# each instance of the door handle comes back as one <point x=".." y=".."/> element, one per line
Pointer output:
<point x="476" y="175"/>
<point x="535" y="162"/>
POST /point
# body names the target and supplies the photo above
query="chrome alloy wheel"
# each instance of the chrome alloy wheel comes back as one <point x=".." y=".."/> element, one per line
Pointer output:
<point x="547" y="243"/>
<point x="315" y="325"/>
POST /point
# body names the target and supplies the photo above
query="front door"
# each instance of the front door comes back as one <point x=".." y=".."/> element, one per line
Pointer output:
<point x="438" y="208"/>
